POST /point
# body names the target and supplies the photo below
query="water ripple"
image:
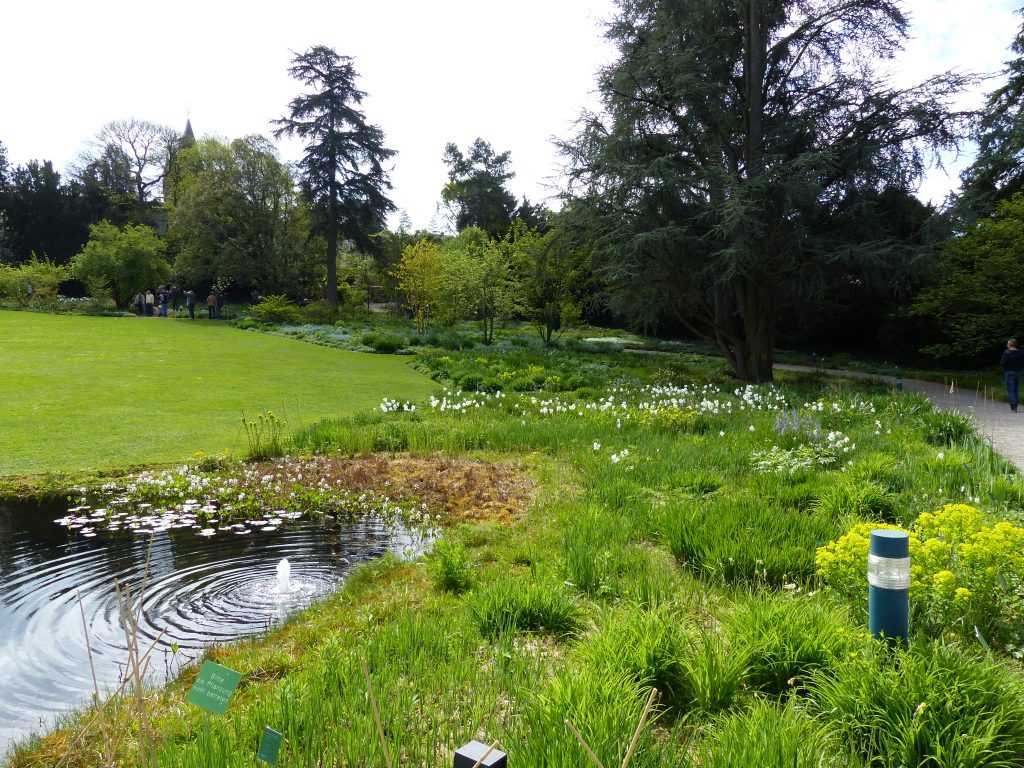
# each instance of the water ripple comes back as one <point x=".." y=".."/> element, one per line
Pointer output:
<point x="197" y="591"/>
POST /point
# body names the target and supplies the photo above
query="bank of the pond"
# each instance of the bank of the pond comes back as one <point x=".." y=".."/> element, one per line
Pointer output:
<point x="674" y="541"/>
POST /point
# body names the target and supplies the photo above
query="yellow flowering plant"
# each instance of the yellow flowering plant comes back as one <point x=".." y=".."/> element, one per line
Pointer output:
<point x="967" y="574"/>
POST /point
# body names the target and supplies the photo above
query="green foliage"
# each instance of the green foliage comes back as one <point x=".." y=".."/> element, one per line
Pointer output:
<point x="419" y="276"/>
<point x="931" y="706"/>
<point x="784" y="639"/>
<point x="266" y="435"/>
<point x="124" y="261"/>
<point x="847" y="496"/>
<point x="236" y="215"/>
<point x="965" y="573"/>
<point x="948" y="428"/>
<point x="450" y="567"/>
<point x="34" y="282"/>
<point x="603" y="706"/>
<point x="974" y="304"/>
<point x="531" y="605"/>
<point x="768" y="737"/>
<point x="744" y="539"/>
<point x="384" y="342"/>
<point x="476" y="188"/>
<point x="276" y="309"/>
<point x="342" y="166"/>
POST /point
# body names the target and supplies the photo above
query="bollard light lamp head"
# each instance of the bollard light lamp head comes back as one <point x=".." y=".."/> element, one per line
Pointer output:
<point x="476" y="753"/>
<point x="889" y="559"/>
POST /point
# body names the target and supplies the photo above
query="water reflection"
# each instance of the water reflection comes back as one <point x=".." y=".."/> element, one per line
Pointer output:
<point x="199" y="591"/>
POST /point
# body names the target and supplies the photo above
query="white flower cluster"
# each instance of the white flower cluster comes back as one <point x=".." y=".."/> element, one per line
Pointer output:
<point x="394" y="406"/>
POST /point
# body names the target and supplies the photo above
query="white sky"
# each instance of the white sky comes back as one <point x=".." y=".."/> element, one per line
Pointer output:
<point x="435" y="70"/>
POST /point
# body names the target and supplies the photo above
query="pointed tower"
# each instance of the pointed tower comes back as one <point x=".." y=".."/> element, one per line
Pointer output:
<point x="188" y="139"/>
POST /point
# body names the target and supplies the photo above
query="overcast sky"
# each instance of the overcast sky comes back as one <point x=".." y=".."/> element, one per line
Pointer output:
<point x="435" y="70"/>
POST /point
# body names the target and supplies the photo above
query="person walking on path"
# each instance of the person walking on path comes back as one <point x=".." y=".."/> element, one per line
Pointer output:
<point x="1013" y="365"/>
<point x="150" y="301"/>
<point x="211" y="305"/>
<point x="190" y="303"/>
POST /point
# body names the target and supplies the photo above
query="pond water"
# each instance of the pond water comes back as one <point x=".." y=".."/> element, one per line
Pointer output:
<point x="199" y="591"/>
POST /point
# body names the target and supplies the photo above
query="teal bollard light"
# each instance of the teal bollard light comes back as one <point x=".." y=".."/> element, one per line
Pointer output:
<point x="889" y="585"/>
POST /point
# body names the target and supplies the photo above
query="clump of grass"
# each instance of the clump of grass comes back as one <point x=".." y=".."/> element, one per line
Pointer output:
<point x="265" y="435"/>
<point x="713" y="674"/>
<point x="647" y="646"/>
<point x="593" y="548"/>
<point x="510" y="604"/>
<point x="604" y="706"/>
<point x="450" y="567"/>
<point x="848" y="496"/>
<point x="784" y="639"/>
<point x="946" y="428"/>
<point x="929" y="705"/>
<point x="766" y="736"/>
<point x="740" y="539"/>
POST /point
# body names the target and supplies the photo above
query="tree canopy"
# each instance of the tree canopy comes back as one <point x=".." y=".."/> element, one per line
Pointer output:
<point x="476" y="188"/>
<point x="730" y="131"/>
<point x="343" y="173"/>
<point x="122" y="261"/>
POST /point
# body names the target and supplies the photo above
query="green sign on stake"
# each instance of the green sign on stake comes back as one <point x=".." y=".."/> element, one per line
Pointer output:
<point x="214" y="687"/>
<point x="270" y="745"/>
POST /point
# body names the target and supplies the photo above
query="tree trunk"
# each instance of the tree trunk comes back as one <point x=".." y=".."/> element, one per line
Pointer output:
<point x="332" y="260"/>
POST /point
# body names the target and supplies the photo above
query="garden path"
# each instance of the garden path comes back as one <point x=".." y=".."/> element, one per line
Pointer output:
<point x="994" y="419"/>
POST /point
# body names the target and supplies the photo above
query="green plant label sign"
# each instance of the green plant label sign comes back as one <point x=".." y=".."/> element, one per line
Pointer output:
<point x="214" y="687"/>
<point x="270" y="745"/>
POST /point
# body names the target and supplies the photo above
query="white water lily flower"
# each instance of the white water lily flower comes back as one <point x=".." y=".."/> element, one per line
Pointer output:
<point x="207" y="532"/>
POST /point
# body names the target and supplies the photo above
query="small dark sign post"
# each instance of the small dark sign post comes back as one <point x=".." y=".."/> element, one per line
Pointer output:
<point x="214" y="687"/>
<point x="270" y="745"/>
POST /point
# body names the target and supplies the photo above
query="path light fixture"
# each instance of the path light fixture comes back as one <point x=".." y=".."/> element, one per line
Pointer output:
<point x="478" y="755"/>
<point x="889" y="585"/>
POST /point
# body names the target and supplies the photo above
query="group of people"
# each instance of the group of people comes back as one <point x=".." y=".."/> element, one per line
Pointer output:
<point x="156" y="303"/>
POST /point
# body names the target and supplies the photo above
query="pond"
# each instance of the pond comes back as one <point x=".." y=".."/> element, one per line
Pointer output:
<point x="199" y="591"/>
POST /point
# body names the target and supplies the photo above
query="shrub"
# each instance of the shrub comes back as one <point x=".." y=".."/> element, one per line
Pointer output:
<point x="675" y="420"/>
<point x="531" y="606"/>
<point x="470" y="382"/>
<point x="44" y="276"/>
<point x="964" y="573"/>
<point x="278" y="310"/>
<point x="783" y="639"/>
<point x="931" y="705"/>
<point x="451" y="568"/>
<point x="320" y="312"/>
<point x="766" y="736"/>
<point x="390" y="437"/>
<point x="386" y="343"/>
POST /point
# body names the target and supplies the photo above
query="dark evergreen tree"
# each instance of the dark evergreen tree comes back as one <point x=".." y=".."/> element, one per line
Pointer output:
<point x="342" y="169"/>
<point x="45" y="215"/>
<point x="730" y="132"/>
<point x="476" y="188"/>
<point x="535" y="217"/>
<point x="997" y="173"/>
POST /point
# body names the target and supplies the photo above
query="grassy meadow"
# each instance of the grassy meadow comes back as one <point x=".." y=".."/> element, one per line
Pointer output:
<point x="84" y="393"/>
<point x="682" y="535"/>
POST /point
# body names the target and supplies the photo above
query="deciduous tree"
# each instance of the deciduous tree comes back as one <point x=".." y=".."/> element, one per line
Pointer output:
<point x="123" y="261"/>
<point x="419" y="279"/>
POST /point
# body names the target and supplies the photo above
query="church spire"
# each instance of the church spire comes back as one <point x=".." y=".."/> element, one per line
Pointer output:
<point x="188" y="138"/>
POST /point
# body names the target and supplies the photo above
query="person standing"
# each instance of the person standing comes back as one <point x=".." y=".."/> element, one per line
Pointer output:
<point x="1013" y="364"/>
<point x="139" y="302"/>
<point x="190" y="303"/>
<point x="164" y="298"/>
<point x="211" y="305"/>
<point x="150" y="301"/>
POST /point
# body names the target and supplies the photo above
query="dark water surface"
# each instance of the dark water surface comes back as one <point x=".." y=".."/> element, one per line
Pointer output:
<point x="199" y="591"/>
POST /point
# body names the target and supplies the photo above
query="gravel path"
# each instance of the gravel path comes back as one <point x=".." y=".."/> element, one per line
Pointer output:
<point x="994" y="419"/>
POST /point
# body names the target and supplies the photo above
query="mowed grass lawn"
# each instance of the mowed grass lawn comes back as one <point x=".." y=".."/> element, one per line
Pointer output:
<point x="81" y="393"/>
